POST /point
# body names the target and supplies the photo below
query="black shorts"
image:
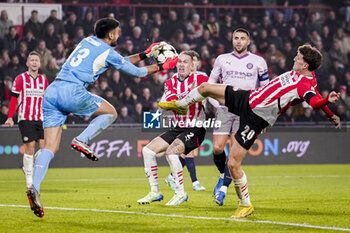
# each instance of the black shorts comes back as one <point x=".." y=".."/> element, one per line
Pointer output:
<point x="191" y="137"/>
<point x="250" y="124"/>
<point x="31" y="130"/>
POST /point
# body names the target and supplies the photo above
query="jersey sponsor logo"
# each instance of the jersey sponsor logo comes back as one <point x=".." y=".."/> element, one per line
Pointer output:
<point x="31" y="92"/>
<point x="151" y="120"/>
<point x="250" y="66"/>
<point x="238" y="74"/>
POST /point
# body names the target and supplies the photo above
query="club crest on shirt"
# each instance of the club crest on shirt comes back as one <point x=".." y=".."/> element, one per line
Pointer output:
<point x="249" y="66"/>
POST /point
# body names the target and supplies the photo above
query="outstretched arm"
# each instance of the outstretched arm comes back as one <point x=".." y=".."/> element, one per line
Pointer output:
<point x="149" y="52"/>
<point x="316" y="102"/>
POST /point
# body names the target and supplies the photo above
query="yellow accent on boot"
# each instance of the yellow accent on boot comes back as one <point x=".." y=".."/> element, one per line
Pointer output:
<point x="172" y="106"/>
<point x="243" y="211"/>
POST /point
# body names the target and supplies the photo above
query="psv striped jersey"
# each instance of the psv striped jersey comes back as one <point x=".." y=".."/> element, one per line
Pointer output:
<point x="30" y="91"/>
<point x="175" y="89"/>
<point x="274" y="98"/>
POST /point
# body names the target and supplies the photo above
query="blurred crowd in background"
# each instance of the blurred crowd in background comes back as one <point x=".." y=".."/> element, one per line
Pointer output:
<point x="275" y="35"/>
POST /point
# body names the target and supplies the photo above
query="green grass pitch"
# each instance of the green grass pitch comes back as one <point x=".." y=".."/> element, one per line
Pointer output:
<point x="104" y="200"/>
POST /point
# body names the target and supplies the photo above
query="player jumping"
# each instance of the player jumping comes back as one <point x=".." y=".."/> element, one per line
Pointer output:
<point x="68" y="94"/>
<point x="259" y="108"/>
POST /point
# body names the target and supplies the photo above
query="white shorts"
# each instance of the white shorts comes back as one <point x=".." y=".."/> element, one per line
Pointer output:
<point x="229" y="122"/>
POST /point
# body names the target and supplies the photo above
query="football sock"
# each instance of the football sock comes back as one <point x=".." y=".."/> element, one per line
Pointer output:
<point x="191" y="167"/>
<point x="227" y="177"/>
<point x="40" y="168"/>
<point x="220" y="161"/>
<point x="182" y="161"/>
<point x="96" y="126"/>
<point x="191" y="98"/>
<point x="241" y="187"/>
<point x="28" y="169"/>
<point x="151" y="168"/>
<point x="177" y="171"/>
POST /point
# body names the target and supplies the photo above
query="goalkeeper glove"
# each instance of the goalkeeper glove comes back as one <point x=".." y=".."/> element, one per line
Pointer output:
<point x="150" y="51"/>
<point x="168" y="64"/>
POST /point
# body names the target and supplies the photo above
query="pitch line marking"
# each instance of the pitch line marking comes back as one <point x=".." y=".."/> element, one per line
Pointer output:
<point x="124" y="179"/>
<point x="305" y="225"/>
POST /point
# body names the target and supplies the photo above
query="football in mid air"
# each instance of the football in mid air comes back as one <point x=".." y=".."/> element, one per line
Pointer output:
<point x="164" y="53"/>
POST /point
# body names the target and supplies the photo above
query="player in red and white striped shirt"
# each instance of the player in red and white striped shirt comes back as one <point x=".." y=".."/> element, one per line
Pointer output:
<point x="260" y="107"/>
<point x="181" y="139"/>
<point x="188" y="159"/>
<point x="27" y="93"/>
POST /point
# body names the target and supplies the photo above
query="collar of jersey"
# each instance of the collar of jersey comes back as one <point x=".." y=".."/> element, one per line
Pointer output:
<point x="184" y="78"/>
<point x="247" y="54"/>
<point x="32" y="76"/>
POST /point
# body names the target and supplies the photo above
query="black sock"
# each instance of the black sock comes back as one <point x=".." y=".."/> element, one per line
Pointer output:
<point x="227" y="178"/>
<point x="220" y="161"/>
<point x="191" y="167"/>
<point x="183" y="161"/>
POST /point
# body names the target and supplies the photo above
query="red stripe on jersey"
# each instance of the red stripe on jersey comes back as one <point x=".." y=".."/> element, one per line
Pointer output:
<point x="255" y="92"/>
<point x="181" y="89"/>
<point x="281" y="93"/>
<point x="267" y="92"/>
<point x="31" y="96"/>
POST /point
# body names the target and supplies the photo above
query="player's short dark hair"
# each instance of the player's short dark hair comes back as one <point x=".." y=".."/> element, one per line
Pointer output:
<point x="311" y="56"/>
<point x="191" y="53"/>
<point x="242" y="30"/>
<point x="104" y="26"/>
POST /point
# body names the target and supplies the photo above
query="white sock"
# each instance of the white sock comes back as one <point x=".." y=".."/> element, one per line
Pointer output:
<point x="28" y="168"/>
<point x="241" y="187"/>
<point x="151" y="168"/>
<point x="191" y="98"/>
<point x="177" y="171"/>
<point x="223" y="189"/>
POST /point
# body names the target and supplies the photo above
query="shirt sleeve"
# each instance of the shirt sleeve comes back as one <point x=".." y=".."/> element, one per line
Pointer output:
<point x="169" y="91"/>
<point x="124" y="64"/>
<point x="202" y="79"/>
<point x="216" y="74"/>
<point x="305" y="87"/>
<point x="17" y="86"/>
<point x="263" y="75"/>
